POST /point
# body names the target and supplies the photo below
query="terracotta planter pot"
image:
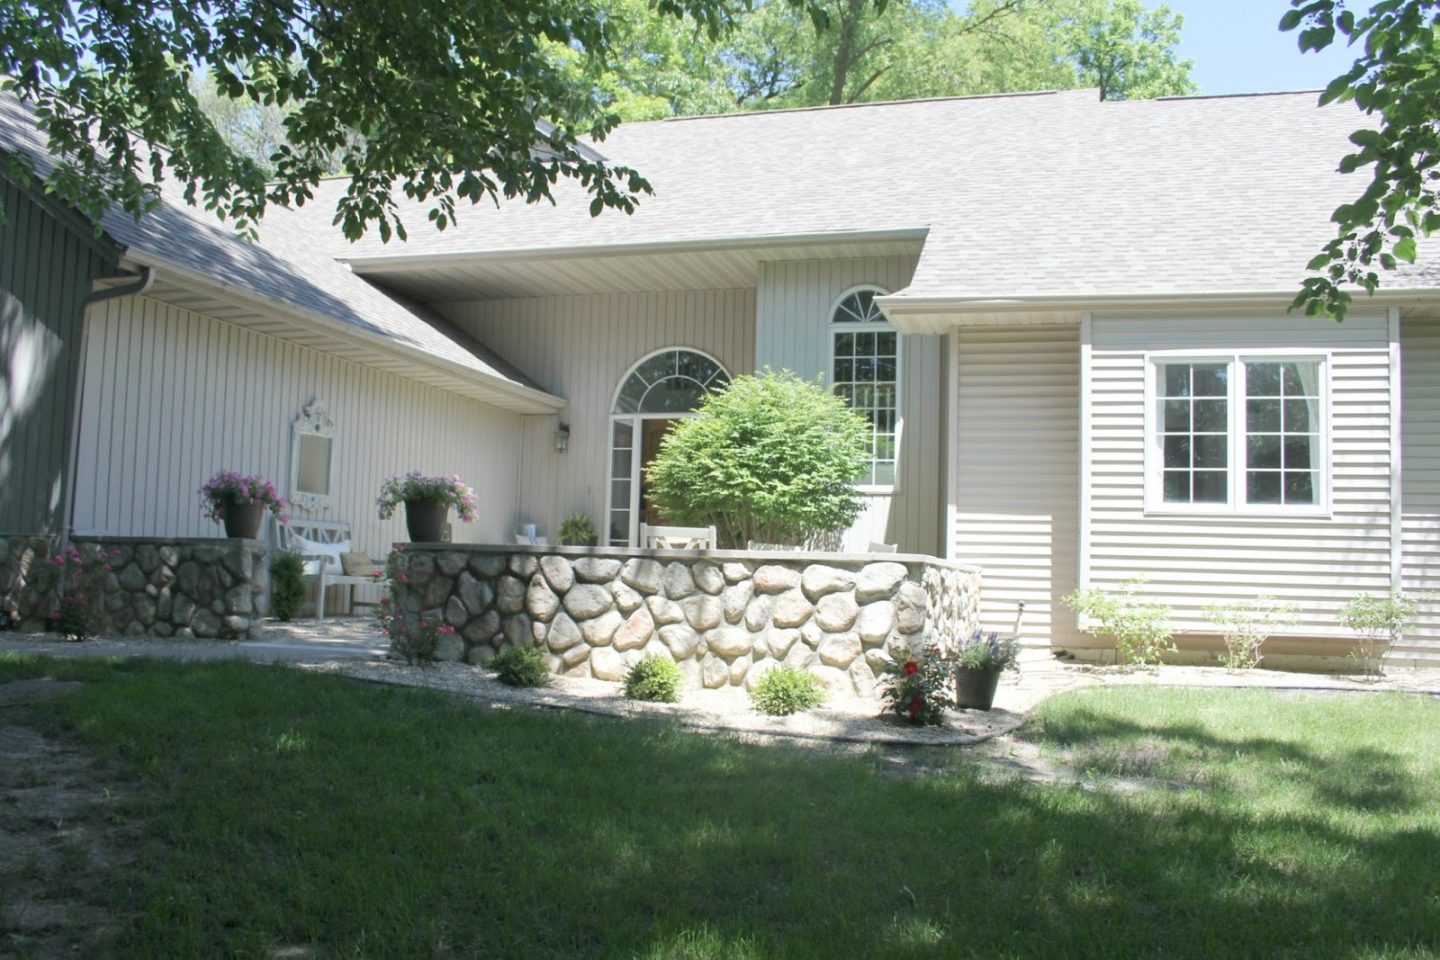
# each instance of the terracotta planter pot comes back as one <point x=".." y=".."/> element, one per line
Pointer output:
<point x="975" y="688"/>
<point x="243" y="521"/>
<point x="425" y="519"/>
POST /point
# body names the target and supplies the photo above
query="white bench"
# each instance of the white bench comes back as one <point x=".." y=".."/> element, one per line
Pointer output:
<point x="320" y="543"/>
<point x="677" y="538"/>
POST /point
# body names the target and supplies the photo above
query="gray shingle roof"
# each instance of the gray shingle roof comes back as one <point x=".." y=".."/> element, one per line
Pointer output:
<point x="290" y="265"/>
<point x="1052" y="194"/>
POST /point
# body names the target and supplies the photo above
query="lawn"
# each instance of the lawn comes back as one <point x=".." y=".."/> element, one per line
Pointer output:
<point x="319" y="817"/>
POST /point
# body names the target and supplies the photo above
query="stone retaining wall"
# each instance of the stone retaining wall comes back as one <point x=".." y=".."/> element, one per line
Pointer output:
<point x="724" y="616"/>
<point x="26" y="583"/>
<point x="204" y="588"/>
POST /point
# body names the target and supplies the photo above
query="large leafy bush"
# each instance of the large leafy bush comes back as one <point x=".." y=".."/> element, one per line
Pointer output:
<point x="771" y="458"/>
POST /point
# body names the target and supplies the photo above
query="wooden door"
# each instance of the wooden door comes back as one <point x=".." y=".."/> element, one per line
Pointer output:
<point x="651" y="432"/>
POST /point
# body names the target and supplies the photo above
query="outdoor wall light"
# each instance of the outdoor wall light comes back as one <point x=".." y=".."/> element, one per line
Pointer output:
<point x="562" y="437"/>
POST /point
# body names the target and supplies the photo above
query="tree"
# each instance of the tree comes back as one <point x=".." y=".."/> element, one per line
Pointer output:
<point x="770" y="458"/>
<point x="1123" y="48"/>
<point x="450" y="99"/>
<point x="1396" y="76"/>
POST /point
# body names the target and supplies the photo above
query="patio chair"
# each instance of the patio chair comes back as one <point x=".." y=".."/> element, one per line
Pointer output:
<point x="322" y="544"/>
<point x="677" y="538"/>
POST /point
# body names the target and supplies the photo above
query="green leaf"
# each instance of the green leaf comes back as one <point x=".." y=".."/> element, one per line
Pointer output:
<point x="1405" y="249"/>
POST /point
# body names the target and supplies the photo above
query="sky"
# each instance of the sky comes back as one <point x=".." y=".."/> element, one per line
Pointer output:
<point x="1237" y="47"/>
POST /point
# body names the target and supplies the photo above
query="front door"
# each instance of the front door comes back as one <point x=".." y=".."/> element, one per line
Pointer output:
<point x="652" y="432"/>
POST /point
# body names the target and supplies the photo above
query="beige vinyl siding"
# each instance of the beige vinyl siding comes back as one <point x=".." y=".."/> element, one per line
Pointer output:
<point x="1420" y="384"/>
<point x="1015" y="492"/>
<point x="580" y="348"/>
<point x="792" y="331"/>
<point x="172" y="396"/>
<point x="1315" y="562"/>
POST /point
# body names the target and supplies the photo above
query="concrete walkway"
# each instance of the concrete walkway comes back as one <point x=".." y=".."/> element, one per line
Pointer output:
<point x="338" y="638"/>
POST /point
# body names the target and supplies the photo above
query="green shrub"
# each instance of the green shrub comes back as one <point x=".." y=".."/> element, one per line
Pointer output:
<point x="1245" y="626"/>
<point x="521" y="667"/>
<point x="1378" y="623"/>
<point x="770" y="458"/>
<point x="654" y="678"/>
<point x="918" y="687"/>
<point x="287" y="584"/>
<point x="787" y="690"/>
<point x="578" y="530"/>
<point x="1140" y="628"/>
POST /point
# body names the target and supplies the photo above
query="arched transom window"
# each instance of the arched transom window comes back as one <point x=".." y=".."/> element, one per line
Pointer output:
<point x="657" y="391"/>
<point x="865" y="370"/>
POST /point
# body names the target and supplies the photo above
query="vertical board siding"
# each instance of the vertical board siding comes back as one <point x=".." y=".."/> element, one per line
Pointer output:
<point x="792" y="332"/>
<point x="579" y="348"/>
<point x="1316" y="563"/>
<point x="46" y="269"/>
<point x="1420" y="495"/>
<point x="172" y="396"/>
<point x="1016" y="486"/>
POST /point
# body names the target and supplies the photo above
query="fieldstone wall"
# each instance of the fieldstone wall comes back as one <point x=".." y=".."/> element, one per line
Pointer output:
<point x="187" y="588"/>
<point x="25" y="582"/>
<point x="724" y="616"/>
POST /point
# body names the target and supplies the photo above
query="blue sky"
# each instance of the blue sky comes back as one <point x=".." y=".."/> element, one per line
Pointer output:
<point x="1238" y="48"/>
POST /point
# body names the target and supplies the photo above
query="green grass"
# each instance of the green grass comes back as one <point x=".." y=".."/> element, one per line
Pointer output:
<point x="287" y="809"/>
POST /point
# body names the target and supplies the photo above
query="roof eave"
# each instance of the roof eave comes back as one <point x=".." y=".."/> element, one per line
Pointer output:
<point x="522" y="399"/>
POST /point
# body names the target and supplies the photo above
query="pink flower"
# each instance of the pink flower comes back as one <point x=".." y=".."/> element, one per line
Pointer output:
<point x="445" y="628"/>
<point x="402" y="578"/>
<point x="915" y="707"/>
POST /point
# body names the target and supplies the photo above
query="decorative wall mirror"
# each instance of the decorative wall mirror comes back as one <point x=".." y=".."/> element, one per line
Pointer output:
<point x="312" y="437"/>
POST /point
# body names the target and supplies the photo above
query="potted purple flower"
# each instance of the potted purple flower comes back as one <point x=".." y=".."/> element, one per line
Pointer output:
<point x="239" y="501"/>
<point x="427" y="503"/>
<point x="979" y="662"/>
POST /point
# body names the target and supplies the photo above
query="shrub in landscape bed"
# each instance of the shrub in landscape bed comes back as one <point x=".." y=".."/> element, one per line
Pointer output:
<point x="79" y="614"/>
<point x="417" y="646"/>
<point x="1246" y="625"/>
<point x="917" y="688"/>
<point x="1378" y="624"/>
<point x="521" y="667"/>
<point x="287" y="584"/>
<point x="770" y="458"/>
<point x="1139" y="628"/>
<point x="787" y="690"/>
<point x="654" y="678"/>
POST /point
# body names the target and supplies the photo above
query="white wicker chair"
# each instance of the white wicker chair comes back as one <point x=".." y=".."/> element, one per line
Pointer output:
<point x="677" y="538"/>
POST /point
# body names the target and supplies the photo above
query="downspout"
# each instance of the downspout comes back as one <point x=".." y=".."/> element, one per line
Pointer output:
<point x="144" y="282"/>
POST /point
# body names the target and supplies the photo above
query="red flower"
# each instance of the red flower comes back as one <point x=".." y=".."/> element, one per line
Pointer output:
<point x="915" y="706"/>
<point x="911" y="668"/>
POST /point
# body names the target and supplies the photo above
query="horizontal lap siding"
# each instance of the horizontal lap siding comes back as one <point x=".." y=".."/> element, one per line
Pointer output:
<point x="579" y="348"/>
<point x="792" y="332"/>
<point x="1420" y="383"/>
<point x="1016" y="488"/>
<point x="173" y="396"/>
<point x="1190" y="561"/>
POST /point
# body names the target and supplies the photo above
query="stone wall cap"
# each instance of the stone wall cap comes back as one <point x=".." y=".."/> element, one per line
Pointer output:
<point x="169" y="541"/>
<point x="759" y="556"/>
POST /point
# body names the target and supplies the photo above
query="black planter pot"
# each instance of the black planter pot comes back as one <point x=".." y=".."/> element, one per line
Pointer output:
<point x="975" y="687"/>
<point x="243" y="520"/>
<point x="425" y="519"/>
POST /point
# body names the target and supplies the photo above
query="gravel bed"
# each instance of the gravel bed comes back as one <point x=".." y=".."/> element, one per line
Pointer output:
<point x="728" y="710"/>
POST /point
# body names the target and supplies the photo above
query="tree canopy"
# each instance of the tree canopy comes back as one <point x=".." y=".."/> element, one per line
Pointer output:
<point x="1396" y="77"/>
<point x="436" y="100"/>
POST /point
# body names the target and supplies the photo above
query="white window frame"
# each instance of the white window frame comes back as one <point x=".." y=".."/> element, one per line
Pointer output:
<point x="636" y="444"/>
<point x="1155" y="503"/>
<point x="832" y="328"/>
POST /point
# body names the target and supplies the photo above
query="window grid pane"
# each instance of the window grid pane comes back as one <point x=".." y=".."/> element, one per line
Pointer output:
<point x="1194" y="436"/>
<point x="865" y="372"/>
<point x="1282" y="405"/>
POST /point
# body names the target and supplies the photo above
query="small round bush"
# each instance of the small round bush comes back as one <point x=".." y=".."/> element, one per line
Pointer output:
<point x="287" y="584"/>
<point x="654" y="678"/>
<point x="521" y="667"/>
<point x="787" y="690"/>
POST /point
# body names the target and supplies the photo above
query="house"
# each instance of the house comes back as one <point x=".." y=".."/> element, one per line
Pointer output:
<point x="1066" y="320"/>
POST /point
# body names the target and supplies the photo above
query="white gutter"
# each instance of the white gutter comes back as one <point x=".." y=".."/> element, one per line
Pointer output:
<point x="963" y="303"/>
<point x="539" y="400"/>
<point x="382" y="263"/>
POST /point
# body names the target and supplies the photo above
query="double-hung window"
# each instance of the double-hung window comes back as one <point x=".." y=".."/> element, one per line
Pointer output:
<point x="865" y="370"/>
<point x="1239" y="433"/>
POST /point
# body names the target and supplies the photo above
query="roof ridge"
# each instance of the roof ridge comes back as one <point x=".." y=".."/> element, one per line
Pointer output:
<point x="1232" y="96"/>
<point x="856" y="106"/>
